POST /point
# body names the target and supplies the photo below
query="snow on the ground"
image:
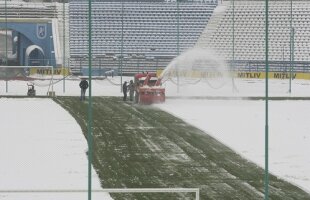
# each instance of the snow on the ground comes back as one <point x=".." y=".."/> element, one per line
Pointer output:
<point x="240" y="125"/>
<point x="243" y="88"/>
<point x="42" y="148"/>
<point x="237" y="123"/>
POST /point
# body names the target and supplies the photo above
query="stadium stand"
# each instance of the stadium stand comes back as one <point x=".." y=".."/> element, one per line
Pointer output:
<point x="32" y="11"/>
<point x="249" y="32"/>
<point x="148" y="37"/>
<point x="18" y="9"/>
<point x="144" y="33"/>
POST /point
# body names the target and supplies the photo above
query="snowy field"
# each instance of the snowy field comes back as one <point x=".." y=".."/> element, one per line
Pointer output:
<point x="237" y="123"/>
<point x="42" y="148"/>
<point x="240" y="124"/>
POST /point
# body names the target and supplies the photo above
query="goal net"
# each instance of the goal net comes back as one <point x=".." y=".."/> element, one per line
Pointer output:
<point x="41" y="76"/>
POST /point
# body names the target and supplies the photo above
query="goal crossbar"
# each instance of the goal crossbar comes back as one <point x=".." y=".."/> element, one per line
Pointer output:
<point x="115" y="190"/>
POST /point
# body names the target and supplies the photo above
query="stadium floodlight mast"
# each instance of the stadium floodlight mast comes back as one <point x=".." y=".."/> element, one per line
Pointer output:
<point x="232" y="65"/>
<point x="89" y="107"/>
<point x="291" y="46"/>
<point x="50" y="61"/>
<point x="63" y="45"/>
<point x="122" y="44"/>
<point x="292" y="33"/>
<point x="266" y="177"/>
<point x="178" y="43"/>
<point x="233" y="40"/>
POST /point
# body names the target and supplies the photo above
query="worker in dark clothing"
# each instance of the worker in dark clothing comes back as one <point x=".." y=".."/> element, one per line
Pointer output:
<point x="137" y="92"/>
<point x="125" y="87"/>
<point x="131" y="90"/>
<point x="83" y="86"/>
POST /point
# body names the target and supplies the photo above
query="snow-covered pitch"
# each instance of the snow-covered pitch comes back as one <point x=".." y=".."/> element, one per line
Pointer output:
<point x="37" y="134"/>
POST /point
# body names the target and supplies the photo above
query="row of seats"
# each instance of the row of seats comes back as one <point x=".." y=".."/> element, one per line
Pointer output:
<point x="149" y="28"/>
<point x="128" y="65"/>
<point x="249" y="34"/>
<point x="27" y="10"/>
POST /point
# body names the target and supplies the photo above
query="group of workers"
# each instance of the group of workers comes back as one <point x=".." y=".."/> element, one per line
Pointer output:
<point x="131" y="88"/>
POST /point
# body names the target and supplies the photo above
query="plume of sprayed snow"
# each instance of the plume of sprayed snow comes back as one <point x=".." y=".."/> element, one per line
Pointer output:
<point x="196" y="59"/>
<point x="197" y="65"/>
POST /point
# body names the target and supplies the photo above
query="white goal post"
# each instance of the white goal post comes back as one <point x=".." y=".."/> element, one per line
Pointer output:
<point x="115" y="190"/>
<point x="8" y="73"/>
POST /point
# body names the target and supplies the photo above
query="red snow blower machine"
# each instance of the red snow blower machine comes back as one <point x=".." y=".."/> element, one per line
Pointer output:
<point x="148" y="89"/>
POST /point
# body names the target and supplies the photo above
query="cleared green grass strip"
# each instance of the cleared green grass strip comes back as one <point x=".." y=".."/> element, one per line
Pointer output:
<point x="139" y="146"/>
